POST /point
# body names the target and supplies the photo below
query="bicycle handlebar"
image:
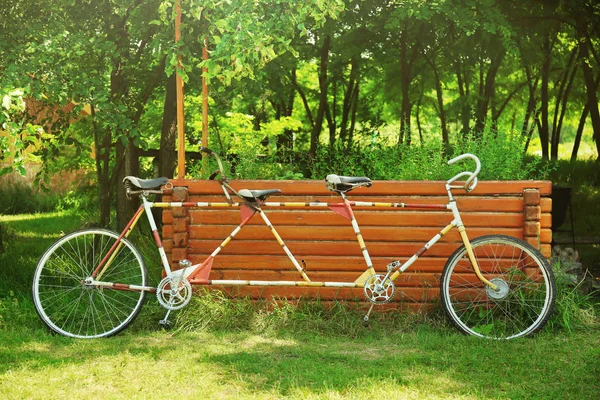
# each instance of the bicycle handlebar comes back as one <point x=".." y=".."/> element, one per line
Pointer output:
<point x="471" y="181"/>
<point x="220" y="170"/>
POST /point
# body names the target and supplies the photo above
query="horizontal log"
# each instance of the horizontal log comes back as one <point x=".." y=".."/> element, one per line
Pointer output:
<point x="379" y="187"/>
<point x="316" y="263"/>
<point x="364" y="217"/>
<point x="404" y="280"/>
<point x="337" y="233"/>
<point x="464" y="204"/>
<point x="302" y="249"/>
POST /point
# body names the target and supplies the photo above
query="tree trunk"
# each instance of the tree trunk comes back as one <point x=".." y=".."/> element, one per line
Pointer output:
<point x="463" y="91"/>
<point x="440" y="101"/>
<point x="590" y="85"/>
<point x="353" y="116"/>
<point x="556" y="131"/>
<point x="129" y="157"/>
<point x="581" y="125"/>
<point x="405" y="109"/>
<point x="543" y="128"/>
<point x="579" y="133"/>
<point x="102" y="151"/>
<point x="348" y="98"/>
<point x="168" y="136"/>
<point x="486" y="94"/>
<point x="316" y="131"/>
<point x="418" y="118"/>
<point x="285" y="141"/>
<point x="532" y="86"/>
<point x="331" y="126"/>
<point x="563" y="93"/>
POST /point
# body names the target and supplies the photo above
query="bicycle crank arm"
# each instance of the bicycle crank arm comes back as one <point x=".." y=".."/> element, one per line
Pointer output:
<point x="118" y="286"/>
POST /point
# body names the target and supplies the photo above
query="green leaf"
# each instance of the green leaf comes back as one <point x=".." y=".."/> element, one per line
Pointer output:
<point x="6" y="102"/>
<point x="5" y="170"/>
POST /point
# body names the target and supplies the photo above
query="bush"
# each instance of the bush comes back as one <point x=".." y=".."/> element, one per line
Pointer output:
<point x="574" y="309"/>
<point x="501" y="155"/>
<point x="19" y="198"/>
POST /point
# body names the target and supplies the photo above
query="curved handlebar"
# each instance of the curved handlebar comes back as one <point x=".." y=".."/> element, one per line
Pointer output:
<point x="471" y="181"/>
<point x="220" y="170"/>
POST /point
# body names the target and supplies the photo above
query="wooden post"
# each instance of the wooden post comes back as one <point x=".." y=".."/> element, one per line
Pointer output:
<point x="180" y="227"/>
<point x="204" y="103"/>
<point x="179" y="84"/>
<point x="532" y="214"/>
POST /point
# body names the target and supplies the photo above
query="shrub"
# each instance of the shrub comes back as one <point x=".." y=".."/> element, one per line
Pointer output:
<point x="19" y="198"/>
<point x="574" y="309"/>
<point x="501" y="156"/>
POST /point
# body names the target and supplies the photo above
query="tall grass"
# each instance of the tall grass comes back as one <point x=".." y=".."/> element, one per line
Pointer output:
<point x="19" y="198"/>
<point x="575" y="308"/>
<point x="501" y="156"/>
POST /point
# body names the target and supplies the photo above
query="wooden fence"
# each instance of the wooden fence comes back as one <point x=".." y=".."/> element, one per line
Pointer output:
<point x="327" y="243"/>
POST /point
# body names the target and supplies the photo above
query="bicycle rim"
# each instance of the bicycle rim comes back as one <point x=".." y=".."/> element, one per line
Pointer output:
<point x="73" y="309"/>
<point x="525" y="295"/>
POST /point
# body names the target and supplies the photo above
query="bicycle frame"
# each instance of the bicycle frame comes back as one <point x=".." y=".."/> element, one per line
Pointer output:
<point x="92" y="283"/>
<point x="198" y="274"/>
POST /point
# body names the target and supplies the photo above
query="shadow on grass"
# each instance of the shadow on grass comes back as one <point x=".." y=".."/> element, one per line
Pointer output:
<point x="423" y="361"/>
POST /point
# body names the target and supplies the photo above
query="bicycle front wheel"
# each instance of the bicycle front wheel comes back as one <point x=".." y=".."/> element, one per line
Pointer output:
<point x="68" y="305"/>
<point x="523" y="300"/>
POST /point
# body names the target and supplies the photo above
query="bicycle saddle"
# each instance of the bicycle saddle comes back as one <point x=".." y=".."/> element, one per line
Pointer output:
<point x="257" y="195"/>
<point x="146" y="184"/>
<point x="342" y="184"/>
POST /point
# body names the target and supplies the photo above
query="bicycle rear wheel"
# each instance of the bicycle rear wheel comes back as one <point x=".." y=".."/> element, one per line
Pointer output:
<point x="72" y="308"/>
<point x="526" y="289"/>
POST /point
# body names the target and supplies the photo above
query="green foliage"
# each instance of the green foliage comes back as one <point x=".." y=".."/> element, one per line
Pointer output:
<point x="574" y="309"/>
<point x="270" y="26"/>
<point x="18" y="198"/>
<point x="500" y="154"/>
<point x="20" y="137"/>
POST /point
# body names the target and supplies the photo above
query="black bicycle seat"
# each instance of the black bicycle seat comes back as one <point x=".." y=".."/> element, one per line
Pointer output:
<point x="146" y="184"/>
<point x="342" y="184"/>
<point x="257" y="195"/>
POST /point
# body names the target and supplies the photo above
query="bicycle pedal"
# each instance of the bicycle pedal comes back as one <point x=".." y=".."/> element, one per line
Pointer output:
<point x="164" y="323"/>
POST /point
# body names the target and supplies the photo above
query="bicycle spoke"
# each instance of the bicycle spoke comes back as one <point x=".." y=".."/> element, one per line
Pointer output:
<point x="71" y="307"/>
<point x="519" y="306"/>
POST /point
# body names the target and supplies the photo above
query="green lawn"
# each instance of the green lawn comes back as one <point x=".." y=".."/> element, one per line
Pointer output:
<point x="423" y="363"/>
<point x="246" y="351"/>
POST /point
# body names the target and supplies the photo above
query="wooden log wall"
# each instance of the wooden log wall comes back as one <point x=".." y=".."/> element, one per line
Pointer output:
<point x="327" y="243"/>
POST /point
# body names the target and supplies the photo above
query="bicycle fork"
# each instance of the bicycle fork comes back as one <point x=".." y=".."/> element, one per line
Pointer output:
<point x="398" y="268"/>
<point x="395" y="268"/>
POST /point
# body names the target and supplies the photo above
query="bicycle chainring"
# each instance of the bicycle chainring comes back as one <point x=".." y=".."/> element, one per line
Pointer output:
<point x="174" y="292"/>
<point x="379" y="290"/>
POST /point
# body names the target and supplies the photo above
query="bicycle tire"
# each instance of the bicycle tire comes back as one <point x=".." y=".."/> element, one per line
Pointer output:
<point x="72" y="309"/>
<point x="526" y="295"/>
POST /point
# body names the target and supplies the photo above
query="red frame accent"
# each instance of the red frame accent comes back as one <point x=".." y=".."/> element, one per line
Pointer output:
<point x="203" y="270"/>
<point x="114" y="246"/>
<point x="342" y="209"/>
<point x="246" y="212"/>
